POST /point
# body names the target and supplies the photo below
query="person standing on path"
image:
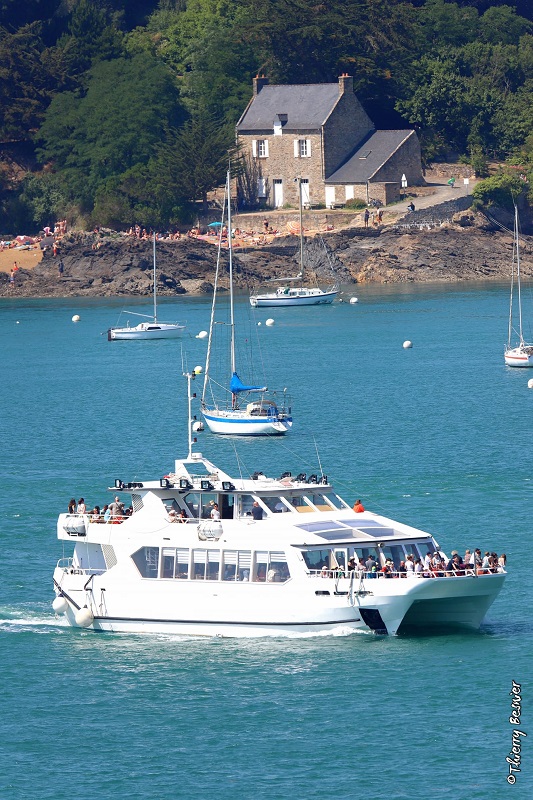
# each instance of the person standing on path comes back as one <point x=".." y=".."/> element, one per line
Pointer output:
<point x="366" y="217"/>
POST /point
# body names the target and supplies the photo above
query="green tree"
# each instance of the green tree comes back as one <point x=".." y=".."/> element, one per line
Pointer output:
<point x="129" y="106"/>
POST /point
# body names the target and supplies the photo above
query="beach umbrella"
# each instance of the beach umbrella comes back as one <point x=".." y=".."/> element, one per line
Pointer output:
<point x="214" y="225"/>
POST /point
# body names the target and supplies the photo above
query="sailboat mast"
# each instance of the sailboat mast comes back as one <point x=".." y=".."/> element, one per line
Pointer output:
<point x="518" y="275"/>
<point x="230" y="251"/>
<point x="213" y="305"/>
<point x="155" y="290"/>
<point x="301" y="229"/>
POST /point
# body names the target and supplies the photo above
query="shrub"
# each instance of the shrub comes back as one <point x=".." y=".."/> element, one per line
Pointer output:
<point x="355" y="202"/>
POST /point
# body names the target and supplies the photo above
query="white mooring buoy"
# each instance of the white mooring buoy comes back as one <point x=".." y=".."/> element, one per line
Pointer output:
<point x="269" y="322"/>
<point x="353" y="300"/>
<point x="530" y="383"/>
<point x="201" y="335"/>
<point x="407" y="344"/>
<point x="76" y="318"/>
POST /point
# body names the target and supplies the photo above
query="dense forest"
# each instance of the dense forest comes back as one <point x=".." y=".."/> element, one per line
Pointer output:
<point x="124" y="110"/>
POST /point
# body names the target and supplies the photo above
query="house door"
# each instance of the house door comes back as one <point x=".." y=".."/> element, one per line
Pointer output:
<point x="278" y="192"/>
<point x="330" y="196"/>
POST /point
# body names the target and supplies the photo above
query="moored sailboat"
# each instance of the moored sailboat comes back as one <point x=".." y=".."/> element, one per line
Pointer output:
<point x="148" y="330"/>
<point x="519" y="353"/>
<point x="302" y="295"/>
<point x="245" y="409"/>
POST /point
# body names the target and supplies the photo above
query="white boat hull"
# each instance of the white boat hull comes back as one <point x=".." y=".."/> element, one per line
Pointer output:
<point x="311" y="297"/>
<point x="238" y="424"/>
<point x="241" y="610"/>
<point x="147" y="330"/>
<point x="519" y="356"/>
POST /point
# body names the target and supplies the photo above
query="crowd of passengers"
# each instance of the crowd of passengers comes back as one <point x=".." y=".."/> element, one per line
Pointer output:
<point x="432" y="565"/>
<point x="112" y="512"/>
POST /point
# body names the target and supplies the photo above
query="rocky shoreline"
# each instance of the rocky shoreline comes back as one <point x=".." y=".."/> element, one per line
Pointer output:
<point x="464" y="247"/>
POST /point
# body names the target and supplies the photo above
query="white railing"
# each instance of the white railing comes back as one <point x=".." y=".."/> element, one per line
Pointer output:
<point x="432" y="573"/>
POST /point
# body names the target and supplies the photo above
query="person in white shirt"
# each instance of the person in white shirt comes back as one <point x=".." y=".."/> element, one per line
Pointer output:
<point x="215" y="513"/>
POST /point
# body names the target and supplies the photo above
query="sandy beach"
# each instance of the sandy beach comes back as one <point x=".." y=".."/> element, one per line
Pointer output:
<point x="26" y="259"/>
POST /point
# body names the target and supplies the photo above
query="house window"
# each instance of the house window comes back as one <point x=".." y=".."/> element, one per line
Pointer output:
<point x="261" y="187"/>
<point x="260" y="148"/>
<point x="302" y="148"/>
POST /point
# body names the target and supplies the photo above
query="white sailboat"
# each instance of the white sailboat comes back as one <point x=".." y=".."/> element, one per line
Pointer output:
<point x="518" y="353"/>
<point x="245" y="410"/>
<point x="147" y="330"/>
<point x="286" y="295"/>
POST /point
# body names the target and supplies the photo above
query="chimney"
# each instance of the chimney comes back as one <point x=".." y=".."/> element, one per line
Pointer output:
<point x="259" y="81"/>
<point x="345" y="83"/>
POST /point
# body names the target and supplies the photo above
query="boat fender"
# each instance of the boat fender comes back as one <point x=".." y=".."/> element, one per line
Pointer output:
<point x="60" y="605"/>
<point x="84" y="617"/>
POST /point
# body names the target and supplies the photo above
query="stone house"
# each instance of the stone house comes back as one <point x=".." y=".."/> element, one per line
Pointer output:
<point x="321" y="134"/>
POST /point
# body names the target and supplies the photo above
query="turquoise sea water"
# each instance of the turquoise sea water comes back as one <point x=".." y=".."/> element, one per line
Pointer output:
<point x="439" y="436"/>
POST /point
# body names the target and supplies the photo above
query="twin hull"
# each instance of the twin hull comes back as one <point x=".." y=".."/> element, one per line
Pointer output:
<point x="120" y="601"/>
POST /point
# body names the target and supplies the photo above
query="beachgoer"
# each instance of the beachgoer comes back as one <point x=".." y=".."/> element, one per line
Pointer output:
<point x="366" y="217"/>
<point x="60" y="269"/>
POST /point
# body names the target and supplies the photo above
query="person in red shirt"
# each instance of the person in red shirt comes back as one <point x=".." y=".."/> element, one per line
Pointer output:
<point x="358" y="507"/>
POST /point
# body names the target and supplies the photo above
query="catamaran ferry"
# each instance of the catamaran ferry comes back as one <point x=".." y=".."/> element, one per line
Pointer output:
<point x="205" y="553"/>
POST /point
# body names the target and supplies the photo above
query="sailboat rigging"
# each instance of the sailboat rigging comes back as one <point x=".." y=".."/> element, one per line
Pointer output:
<point x="238" y="413"/>
<point x="519" y="354"/>
<point x="148" y="330"/>
<point x="296" y="295"/>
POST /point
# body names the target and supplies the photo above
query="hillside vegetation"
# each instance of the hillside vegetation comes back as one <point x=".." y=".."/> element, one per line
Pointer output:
<point x="124" y="110"/>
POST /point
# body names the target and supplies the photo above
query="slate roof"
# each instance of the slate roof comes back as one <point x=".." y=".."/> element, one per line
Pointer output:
<point x="369" y="156"/>
<point x="307" y="107"/>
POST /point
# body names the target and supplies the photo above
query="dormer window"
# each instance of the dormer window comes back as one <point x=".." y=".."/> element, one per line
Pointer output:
<point x="260" y="148"/>
<point x="302" y="148"/>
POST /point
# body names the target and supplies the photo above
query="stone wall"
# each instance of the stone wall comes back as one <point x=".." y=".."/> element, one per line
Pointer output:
<point x="347" y="125"/>
<point x="436" y="215"/>
<point x="281" y="163"/>
<point x="406" y="160"/>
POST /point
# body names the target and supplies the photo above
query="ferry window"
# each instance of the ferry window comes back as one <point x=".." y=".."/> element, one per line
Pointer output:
<point x="362" y="553"/>
<point x="270" y="567"/>
<point x="208" y="500"/>
<point x="424" y="548"/>
<point x="244" y="566"/>
<point x="335" y="501"/>
<point x="260" y="566"/>
<point x="147" y="561"/>
<point x="198" y="565"/>
<point x="340" y="558"/>
<point x="230" y="565"/>
<point x="170" y="504"/>
<point x="167" y="562"/>
<point x="272" y="503"/>
<point x="300" y="504"/>
<point x="316" y="559"/>
<point x="246" y="503"/>
<point x="394" y="552"/>
<point x="319" y="501"/>
<point x="278" y="570"/>
<point x="192" y="501"/>
<point x="182" y="563"/>
<point x="213" y="565"/>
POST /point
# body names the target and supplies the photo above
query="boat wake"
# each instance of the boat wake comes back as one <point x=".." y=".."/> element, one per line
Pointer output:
<point x="24" y="620"/>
